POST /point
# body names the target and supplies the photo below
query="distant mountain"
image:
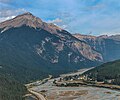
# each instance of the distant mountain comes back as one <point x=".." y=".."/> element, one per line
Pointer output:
<point x="31" y="49"/>
<point x="107" y="71"/>
<point x="107" y="46"/>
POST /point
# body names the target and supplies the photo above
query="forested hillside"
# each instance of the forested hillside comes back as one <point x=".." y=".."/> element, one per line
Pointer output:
<point x="11" y="89"/>
<point x="107" y="71"/>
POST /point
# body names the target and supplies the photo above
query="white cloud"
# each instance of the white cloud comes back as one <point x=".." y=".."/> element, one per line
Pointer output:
<point x="6" y="14"/>
<point x="110" y="33"/>
<point x="6" y="18"/>
<point x="11" y="12"/>
<point x="64" y="26"/>
<point x="55" y="21"/>
<point x="59" y="22"/>
<point x="95" y="7"/>
<point x="4" y="1"/>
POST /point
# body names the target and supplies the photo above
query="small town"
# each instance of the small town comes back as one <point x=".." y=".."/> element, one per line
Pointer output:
<point x="81" y="79"/>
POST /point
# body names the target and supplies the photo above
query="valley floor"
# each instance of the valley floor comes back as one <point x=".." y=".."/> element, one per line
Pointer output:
<point x="52" y="92"/>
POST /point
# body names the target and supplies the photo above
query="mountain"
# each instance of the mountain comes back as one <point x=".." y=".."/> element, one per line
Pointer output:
<point x="29" y="20"/>
<point x="31" y="49"/>
<point x="107" y="71"/>
<point x="107" y="46"/>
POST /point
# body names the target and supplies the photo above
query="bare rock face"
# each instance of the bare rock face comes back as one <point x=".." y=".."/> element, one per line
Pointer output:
<point x="108" y="46"/>
<point x="28" y="42"/>
<point x="29" y="20"/>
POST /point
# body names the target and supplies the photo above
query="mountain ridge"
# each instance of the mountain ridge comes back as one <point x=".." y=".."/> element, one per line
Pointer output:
<point x="31" y="51"/>
<point x="34" y="49"/>
<point x="35" y="22"/>
<point x="30" y="20"/>
<point x="108" y="46"/>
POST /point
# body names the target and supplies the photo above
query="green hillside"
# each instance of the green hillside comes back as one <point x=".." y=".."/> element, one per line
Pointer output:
<point x="11" y="89"/>
<point x="107" y="71"/>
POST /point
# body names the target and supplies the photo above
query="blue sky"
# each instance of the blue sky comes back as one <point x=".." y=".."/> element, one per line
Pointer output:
<point x="77" y="16"/>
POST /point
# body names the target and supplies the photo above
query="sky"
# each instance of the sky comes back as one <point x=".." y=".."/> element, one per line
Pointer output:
<point x="94" y="17"/>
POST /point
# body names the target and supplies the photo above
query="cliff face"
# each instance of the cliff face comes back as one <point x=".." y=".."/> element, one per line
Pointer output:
<point x="108" y="46"/>
<point x="31" y="49"/>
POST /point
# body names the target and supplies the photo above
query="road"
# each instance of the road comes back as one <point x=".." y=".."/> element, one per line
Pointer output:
<point x="38" y="95"/>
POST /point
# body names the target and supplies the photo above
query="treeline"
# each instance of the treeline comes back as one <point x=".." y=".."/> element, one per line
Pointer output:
<point x="108" y="71"/>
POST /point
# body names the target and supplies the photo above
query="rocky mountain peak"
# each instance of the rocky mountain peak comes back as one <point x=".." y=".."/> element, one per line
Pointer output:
<point x="30" y="17"/>
<point x="30" y="20"/>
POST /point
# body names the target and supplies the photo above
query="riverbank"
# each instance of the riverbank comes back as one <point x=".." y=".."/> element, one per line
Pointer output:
<point x="83" y="91"/>
<point x="82" y="83"/>
<point x="35" y="95"/>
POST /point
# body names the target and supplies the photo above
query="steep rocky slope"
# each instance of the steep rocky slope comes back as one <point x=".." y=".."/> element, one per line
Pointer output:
<point x="32" y="49"/>
<point x="108" y="46"/>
